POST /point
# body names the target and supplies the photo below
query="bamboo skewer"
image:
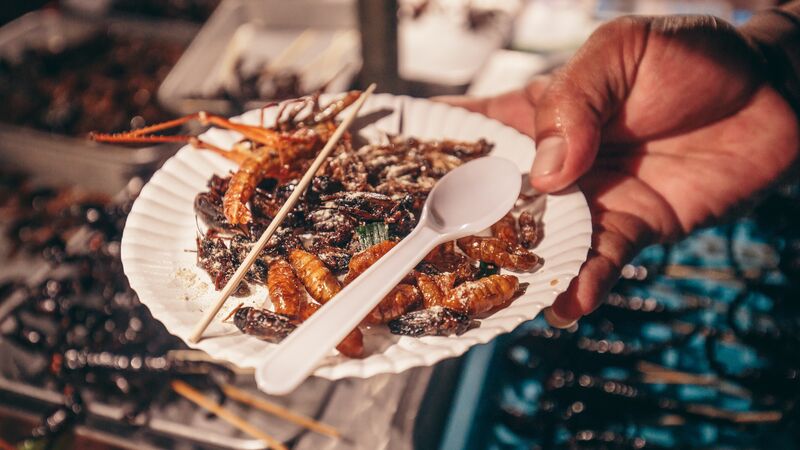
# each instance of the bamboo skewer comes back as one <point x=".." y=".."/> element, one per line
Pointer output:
<point x="237" y="277"/>
<point x="722" y="274"/>
<point x="298" y="45"/>
<point x="279" y="411"/>
<point x="204" y="402"/>
<point x="233" y="51"/>
<point x="327" y="66"/>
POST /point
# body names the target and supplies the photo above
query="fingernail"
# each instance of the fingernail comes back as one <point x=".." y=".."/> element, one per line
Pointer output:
<point x="557" y="321"/>
<point x="550" y="156"/>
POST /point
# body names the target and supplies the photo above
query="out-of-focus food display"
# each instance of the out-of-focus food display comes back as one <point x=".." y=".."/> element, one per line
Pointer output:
<point x="251" y="53"/>
<point x="72" y="331"/>
<point x="105" y="82"/>
<point x="81" y="319"/>
<point x="310" y="63"/>
<point x="262" y="83"/>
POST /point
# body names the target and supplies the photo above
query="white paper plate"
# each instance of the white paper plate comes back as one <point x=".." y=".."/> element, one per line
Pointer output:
<point x="159" y="240"/>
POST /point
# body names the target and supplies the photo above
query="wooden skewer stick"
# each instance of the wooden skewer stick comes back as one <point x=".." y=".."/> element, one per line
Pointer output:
<point x="279" y="411"/>
<point x="692" y="272"/>
<point x="227" y="67"/>
<point x="204" y="402"/>
<point x="298" y="45"/>
<point x="251" y="257"/>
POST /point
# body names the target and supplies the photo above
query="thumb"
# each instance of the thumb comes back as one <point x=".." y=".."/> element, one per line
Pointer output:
<point x="582" y="97"/>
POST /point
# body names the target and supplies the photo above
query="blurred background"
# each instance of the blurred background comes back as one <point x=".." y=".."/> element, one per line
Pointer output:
<point x="698" y="346"/>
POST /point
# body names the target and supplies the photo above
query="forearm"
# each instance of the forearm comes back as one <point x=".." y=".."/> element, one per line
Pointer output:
<point x="776" y="33"/>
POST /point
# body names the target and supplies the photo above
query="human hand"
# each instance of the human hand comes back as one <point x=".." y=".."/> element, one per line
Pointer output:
<point x="667" y="124"/>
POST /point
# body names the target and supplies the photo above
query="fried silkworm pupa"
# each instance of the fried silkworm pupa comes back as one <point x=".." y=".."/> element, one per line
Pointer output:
<point x="436" y="321"/>
<point x="365" y="258"/>
<point x="318" y="280"/>
<point x="399" y="300"/>
<point x="475" y="297"/>
<point x="263" y="324"/>
<point x="285" y="290"/>
<point x="505" y="229"/>
<point x="435" y="288"/>
<point x="495" y="251"/>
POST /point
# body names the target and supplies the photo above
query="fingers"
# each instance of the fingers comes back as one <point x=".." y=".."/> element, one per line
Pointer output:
<point x="583" y="95"/>
<point x="598" y="274"/>
<point x="474" y="104"/>
<point x="616" y="240"/>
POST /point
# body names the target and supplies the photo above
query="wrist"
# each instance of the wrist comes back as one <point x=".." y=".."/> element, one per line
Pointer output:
<point x="775" y="35"/>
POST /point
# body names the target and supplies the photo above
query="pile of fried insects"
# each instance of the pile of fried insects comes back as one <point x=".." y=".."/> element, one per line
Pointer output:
<point x="359" y="205"/>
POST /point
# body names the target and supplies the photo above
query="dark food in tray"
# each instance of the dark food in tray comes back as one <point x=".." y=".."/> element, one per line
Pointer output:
<point x="107" y="82"/>
<point x="82" y="322"/>
<point x="260" y="84"/>
<point x="476" y="18"/>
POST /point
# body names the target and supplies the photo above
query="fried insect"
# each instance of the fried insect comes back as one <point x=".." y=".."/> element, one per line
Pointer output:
<point x="495" y="251"/>
<point x="396" y="303"/>
<point x="335" y="258"/>
<point x="208" y="208"/>
<point x="240" y="246"/>
<point x="506" y="230"/>
<point x="218" y="261"/>
<point x="529" y="233"/>
<point x="263" y="324"/>
<point x="285" y="290"/>
<point x="348" y="168"/>
<point x="289" y="300"/>
<point x="264" y="152"/>
<point x="479" y="296"/>
<point x="444" y="259"/>
<point x="365" y="258"/>
<point x="262" y="162"/>
<point x="361" y="205"/>
<point x="439" y="163"/>
<point x="435" y="321"/>
<point x="318" y="280"/>
<point x="398" y="300"/>
<point x="465" y="150"/>
<point x="435" y="288"/>
<point x="334" y="227"/>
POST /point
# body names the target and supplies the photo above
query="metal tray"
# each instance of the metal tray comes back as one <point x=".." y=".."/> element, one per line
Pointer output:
<point x="17" y="143"/>
<point x="268" y="26"/>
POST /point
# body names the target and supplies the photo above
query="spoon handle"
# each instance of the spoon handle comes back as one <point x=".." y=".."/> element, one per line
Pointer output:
<point x="297" y="356"/>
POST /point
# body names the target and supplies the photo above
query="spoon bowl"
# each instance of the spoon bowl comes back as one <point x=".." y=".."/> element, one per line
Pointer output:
<point x="467" y="200"/>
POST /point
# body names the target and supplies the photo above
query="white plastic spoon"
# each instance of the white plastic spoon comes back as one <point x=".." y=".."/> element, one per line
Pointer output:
<point x="467" y="200"/>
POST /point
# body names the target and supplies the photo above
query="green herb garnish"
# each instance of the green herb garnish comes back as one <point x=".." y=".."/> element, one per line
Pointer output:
<point x="372" y="233"/>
